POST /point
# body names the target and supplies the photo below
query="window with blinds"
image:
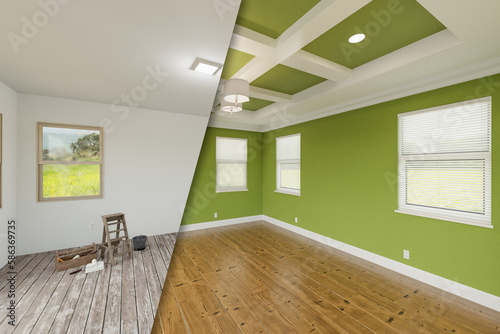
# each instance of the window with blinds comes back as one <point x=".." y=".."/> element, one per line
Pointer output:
<point x="231" y="164"/>
<point x="445" y="162"/>
<point x="288" y="164"/>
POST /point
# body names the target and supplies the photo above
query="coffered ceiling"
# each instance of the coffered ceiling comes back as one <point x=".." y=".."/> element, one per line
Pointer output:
<point x="300" y="65"/>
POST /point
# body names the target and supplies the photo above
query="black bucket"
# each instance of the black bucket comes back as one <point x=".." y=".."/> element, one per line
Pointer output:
<point x="139" y="242"/>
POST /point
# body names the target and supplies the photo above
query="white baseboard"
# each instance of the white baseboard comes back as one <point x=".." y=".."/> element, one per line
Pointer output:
<point x="218" y="223"/>
<point x="439" y="282"/>
<point x="464" y="291"/>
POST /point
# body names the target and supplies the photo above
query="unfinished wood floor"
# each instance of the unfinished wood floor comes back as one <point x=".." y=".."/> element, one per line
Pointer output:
<point x="258" y="278"/>
<point x="119" y="299"/>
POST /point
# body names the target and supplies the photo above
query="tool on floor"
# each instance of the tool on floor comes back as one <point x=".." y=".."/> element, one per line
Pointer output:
<point x="120" y="240"/>
<point x="94" y="266"/>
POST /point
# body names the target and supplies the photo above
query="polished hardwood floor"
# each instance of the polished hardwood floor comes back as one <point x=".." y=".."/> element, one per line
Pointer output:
<point x="258" y="278"/>
<point x="119" y="299"/>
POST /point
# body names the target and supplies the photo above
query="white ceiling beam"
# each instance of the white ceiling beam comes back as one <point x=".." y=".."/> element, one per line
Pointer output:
<point x="313" y="24"/>
<point x="316" y="65"/>
<point x="269" y="95"/>
<point x="252" y="42"/>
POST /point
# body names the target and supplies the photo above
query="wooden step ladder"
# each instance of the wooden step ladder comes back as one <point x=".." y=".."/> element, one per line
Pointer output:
<point x="117" y="221"/>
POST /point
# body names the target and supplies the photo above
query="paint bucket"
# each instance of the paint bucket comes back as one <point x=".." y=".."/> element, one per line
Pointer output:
<point x="139" y="242"/>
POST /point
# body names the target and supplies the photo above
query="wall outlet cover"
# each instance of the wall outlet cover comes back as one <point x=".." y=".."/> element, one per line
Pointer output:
<point x="406" y="254"/>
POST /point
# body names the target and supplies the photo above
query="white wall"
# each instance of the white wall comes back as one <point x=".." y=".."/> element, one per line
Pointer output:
<point x="149" y="161"/>
<point x="8" y="109"/>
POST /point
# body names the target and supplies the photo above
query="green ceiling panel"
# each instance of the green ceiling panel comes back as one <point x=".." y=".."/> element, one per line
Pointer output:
<point x="256" y="104"/>
<point x="272" y="17"/>
<point x="235" y="60"/>
<point x="286" y="80"/>
<point x="388" y="25"/>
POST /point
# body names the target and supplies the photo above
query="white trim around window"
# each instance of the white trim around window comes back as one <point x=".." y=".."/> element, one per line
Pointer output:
<point x="288" y="164"/>
<point x="445" y="163"/>
<point x="231" y="164"/>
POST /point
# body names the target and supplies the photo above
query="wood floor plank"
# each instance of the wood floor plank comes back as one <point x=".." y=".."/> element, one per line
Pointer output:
<point x="97" y="312"/>
<point x="276" y="281"/>
<point x="79" y="319"/>
<point x="37" y="307"/>
<point x="143" y="302"/>
<point x="128" y="304"/>
<point x="154" y="282"/>
<point x="67" y="307"/>
<point x="26" y="276"/>
<point x="106" y="301"/>
<point x="27" y="292"/>
<point x="169" y="315"/>
<point x="51" y="310"/>
<point x="112" y="320"/>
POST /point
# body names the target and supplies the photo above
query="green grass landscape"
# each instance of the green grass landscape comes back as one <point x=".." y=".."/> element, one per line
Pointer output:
<point x="70" y="180"/>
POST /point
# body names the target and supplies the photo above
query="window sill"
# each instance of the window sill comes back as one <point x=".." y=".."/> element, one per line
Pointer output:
<point x="294" y="193"/>
<point x="449" y="218"/>
<point x="230" y="190"/>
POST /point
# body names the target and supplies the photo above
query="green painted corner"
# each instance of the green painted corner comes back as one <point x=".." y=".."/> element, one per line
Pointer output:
<point x="255" y="104"/>
<point x="389" y="26"/>
<point x="203" y="201"/>
<point x="349" y="169"/>
<point x="349" y="189"/>
<point x="272" y="18"/>
<point x="286" y="80"/>
<point x="235" y="60"/>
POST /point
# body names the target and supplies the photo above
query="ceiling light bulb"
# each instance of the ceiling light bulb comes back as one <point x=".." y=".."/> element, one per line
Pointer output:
<point x="230" y="107"/>
<point x="356" y="38"/>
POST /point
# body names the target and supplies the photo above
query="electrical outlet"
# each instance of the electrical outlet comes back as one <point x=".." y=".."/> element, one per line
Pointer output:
<point x="215" y="214"/>
<point x="296" y="220"/>
<point x="406" y="254"/>
<point x="92" y="226"/>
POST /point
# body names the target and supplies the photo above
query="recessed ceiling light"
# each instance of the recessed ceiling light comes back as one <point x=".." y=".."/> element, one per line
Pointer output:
<point x="206" y="66"/>
<point x="356" y="38"/>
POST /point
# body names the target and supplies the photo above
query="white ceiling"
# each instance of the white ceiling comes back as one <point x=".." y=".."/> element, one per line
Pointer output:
<point x="101" y="51"/>
<point x="466" y="50"/>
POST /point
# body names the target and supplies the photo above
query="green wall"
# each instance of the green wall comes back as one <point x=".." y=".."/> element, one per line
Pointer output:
<point x="203" y="201"/>
<point x="349" y="189"/>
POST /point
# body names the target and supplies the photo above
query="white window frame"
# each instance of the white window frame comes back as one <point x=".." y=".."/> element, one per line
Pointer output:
<point x="483" y="220"/>
<point x="41" y="162"/>
<point x="279" y="163"/>
<point x="219" y="162"/>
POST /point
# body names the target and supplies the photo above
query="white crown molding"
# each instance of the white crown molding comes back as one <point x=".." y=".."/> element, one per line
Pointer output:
<point x="464" y="74"/>
<point x="217" y="122"/>
<point x="461" y="290"/>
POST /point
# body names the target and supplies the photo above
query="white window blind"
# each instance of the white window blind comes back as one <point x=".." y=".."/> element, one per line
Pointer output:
<point x="445" y="162"/>
<point x="231" y="164"/>
<point x="288" y="164"/>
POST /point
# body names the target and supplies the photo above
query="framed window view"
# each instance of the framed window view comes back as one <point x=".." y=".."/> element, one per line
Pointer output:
<point x="70" y="162"/>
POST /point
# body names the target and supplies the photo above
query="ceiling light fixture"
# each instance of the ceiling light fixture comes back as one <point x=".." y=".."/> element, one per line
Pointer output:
<point x="230" y="106"/>
<point x="236" y="91"/>
<point x="206" y="66"/>
<point x="356" y="38"/>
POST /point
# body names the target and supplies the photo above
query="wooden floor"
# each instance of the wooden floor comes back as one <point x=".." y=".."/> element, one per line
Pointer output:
<point x="258" y="278"/>
<point x="119" y="299"/>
